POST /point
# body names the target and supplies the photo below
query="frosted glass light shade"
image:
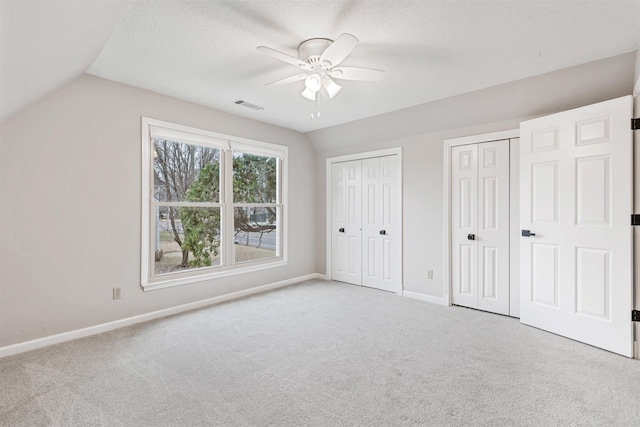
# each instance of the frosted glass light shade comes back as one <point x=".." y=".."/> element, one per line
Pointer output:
<point x="313" y="82"/>
<point x="310" y="95"/>
<point x="332" y="87"/>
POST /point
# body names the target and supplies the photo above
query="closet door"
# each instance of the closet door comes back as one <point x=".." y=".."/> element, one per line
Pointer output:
<point x="346" y="207"/>
<point x="464" y="211"/>
<point x="380" y="224"/>
<point x="480" y="226"/>
<point x="493" y="226"/>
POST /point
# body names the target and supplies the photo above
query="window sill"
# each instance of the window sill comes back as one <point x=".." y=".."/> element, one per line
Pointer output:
<point x="231" y="271"/>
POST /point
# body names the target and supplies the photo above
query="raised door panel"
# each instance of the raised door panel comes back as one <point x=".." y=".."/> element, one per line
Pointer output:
<point x="544" y="192"/>
<point x="544" y="274"/>
<point x="466" y="280"/>
<point x="593" y="283"/>
<point x="593" y="191"/>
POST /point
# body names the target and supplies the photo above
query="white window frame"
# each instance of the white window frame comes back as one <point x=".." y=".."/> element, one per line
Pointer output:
<point x="227" y="144"/>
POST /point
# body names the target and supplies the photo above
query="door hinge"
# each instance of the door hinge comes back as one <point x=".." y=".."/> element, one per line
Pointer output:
<point x="635" y="219"/>
<point x="635" y="315"/>
<point x="635" y="124"/>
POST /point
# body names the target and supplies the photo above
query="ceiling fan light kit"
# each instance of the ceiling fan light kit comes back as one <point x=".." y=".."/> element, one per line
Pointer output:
<point x="309" y="94"/>
<point x="313" y="82"/>
<point x="319" y="58"/>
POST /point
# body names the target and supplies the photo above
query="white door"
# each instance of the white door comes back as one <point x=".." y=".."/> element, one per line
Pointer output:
<point x="346" y="207"/>
<point x="380" y="224"/>
<point x="493" y="226"/>
<point x="464" y="219"/>
<point x="480" y="226"/>
<point x="575" y="202"/>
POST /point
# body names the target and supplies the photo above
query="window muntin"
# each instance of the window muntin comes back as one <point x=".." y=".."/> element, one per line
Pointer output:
<point x="199" y="226"/>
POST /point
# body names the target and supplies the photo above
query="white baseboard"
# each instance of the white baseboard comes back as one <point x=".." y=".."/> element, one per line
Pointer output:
<point x="109" y="326"/>
<point x="426" y="298"/>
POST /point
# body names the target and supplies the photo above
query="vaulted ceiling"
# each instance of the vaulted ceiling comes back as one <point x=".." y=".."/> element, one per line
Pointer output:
<point x="205" y="51"/>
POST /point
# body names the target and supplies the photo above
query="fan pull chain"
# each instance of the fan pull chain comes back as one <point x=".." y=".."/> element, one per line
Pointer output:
<point x="316" y="104"/>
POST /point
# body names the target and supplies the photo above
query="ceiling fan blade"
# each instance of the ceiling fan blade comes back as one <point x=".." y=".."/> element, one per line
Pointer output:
<point x="357" y="73"/>
<point x="284" y="57"/>
<point x="288" y="80"/>
<point x="339" y="49"/>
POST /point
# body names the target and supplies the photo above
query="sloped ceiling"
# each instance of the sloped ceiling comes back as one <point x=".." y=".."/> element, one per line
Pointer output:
<point x="205" y="51"/>
<point x="46" y="44"/>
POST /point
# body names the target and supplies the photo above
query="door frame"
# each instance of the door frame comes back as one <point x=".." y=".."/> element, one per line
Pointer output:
<point x="511" y="135"/>
<point x="636" y="209"/>
<point x="361" y="156"/>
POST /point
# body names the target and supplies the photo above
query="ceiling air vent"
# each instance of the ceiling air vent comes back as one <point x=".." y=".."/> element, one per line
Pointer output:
<point x="248" y="105"/>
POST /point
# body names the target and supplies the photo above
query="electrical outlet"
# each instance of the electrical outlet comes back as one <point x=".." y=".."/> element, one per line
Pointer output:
<point x="430" y="274"/>
<point x="117" y="293"/>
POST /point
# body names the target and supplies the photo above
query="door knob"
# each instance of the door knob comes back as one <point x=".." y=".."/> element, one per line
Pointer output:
<point x="341" y="230"/>
<point x="383" y="232"/>
<point x="471" y="237"/>
<point x="527" y="233"/>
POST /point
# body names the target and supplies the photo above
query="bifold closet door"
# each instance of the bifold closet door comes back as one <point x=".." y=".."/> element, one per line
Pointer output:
<point x="464" y="219"/>
<point x="380" y="226"/>
<point x="480" y="226"/>
<point x="346" y="222"/>
<point x="366" y="241"/>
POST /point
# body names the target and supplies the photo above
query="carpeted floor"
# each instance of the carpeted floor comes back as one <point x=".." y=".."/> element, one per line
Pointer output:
<point x="321" y="354"/>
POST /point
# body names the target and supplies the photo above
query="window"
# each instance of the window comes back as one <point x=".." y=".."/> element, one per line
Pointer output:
<point x="213" y="205"/>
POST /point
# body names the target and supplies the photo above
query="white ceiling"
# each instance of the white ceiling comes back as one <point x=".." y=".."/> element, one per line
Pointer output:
<point x="205" y="51"/>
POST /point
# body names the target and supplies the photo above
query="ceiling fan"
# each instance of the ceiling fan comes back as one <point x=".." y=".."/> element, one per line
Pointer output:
<point x="319" y="60"/>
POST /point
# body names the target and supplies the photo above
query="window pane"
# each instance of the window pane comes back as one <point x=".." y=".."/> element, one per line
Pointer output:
<point x="185" y="172"/>
<point x="186" y="238"/>
<point x="255" y="233"/>
<point x="254" y="178"/>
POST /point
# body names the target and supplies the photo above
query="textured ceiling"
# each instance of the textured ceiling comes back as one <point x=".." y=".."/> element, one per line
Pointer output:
<point x="205" y="51"/>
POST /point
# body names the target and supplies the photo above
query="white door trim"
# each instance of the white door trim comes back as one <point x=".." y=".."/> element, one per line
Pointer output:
<point x="358" y="156"/>
<point x="636" y="209"/>
<point x="448" y="143"/>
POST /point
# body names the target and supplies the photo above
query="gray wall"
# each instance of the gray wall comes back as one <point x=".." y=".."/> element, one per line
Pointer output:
<point x="70" y="177"/>
<point x="636" y="90"/>
<point x="421" y="130"/>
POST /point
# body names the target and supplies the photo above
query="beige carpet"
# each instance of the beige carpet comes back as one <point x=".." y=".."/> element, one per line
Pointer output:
<point x="321" y="354"/>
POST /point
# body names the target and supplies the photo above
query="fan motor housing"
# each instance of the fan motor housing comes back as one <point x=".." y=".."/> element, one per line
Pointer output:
<point x="310" y="50"/>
